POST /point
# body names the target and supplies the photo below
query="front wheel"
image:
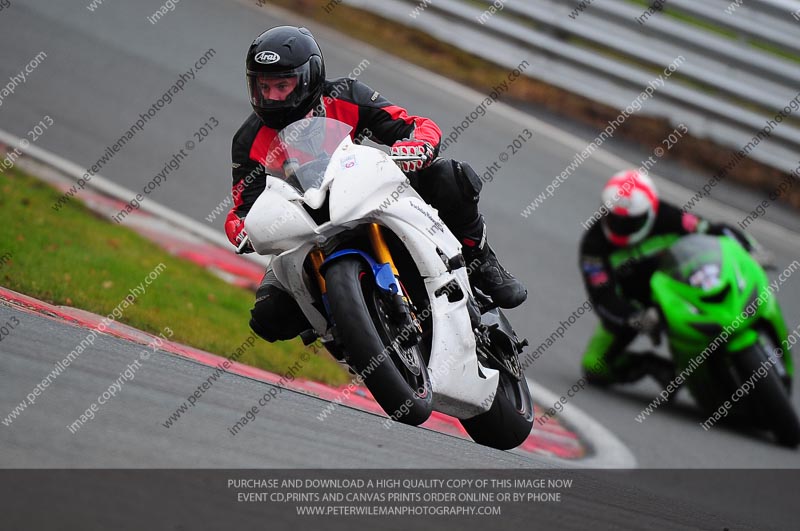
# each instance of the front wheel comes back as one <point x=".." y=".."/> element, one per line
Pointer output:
<point x="396" y="376"/>
<point x="769" y="400"/>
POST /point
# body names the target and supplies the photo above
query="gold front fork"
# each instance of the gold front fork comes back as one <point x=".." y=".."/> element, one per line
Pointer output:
<point x="316" y="260"/>
<point x="380" y="247"/>
<point x="385" y="257"/>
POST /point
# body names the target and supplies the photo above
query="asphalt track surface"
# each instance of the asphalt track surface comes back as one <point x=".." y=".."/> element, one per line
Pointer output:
<point x="127" y="433"/>
<point x="105" y="67"/>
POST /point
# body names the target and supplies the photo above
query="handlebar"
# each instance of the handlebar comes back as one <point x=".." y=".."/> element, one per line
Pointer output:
<point x="403" y="158"/>
<point x="761" y="255"/>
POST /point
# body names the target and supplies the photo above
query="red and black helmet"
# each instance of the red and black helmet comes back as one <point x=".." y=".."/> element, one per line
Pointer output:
<point x="631" y="202"/>
<point x="285" y="52"/>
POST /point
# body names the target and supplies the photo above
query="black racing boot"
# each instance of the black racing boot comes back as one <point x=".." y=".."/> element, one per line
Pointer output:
<point x="625" y="367"/>
<point x="486" y="273"/>
<point x="629" y="367"/>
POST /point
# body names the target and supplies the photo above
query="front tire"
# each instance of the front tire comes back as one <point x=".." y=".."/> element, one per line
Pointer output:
<point x="397" y="377"/>
<point x="769" y="401"/>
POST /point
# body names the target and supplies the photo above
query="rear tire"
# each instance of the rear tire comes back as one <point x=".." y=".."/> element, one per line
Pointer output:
<point x="402" y="389"/>
<point x="510" y="419"/>
<point x="769" y="401"/>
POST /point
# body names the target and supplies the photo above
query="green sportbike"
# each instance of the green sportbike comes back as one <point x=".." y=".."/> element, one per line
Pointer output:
<point x="726" y="333"/>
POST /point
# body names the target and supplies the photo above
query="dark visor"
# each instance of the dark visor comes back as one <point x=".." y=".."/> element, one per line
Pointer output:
<point x="625" y="225"/>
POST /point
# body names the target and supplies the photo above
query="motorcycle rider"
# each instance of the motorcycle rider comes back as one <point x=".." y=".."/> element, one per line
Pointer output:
<point x="618" y="255"/>
<point x="286" y="82"/>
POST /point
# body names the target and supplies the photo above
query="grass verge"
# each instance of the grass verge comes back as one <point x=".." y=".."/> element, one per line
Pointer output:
<point x="74" y="257"/>
<point x="420" y="48"/>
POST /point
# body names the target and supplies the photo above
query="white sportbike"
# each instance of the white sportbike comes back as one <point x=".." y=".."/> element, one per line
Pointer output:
<point x="383" y="283"/>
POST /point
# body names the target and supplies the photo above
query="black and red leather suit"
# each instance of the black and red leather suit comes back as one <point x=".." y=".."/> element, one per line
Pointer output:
<point x="451" y="187"/>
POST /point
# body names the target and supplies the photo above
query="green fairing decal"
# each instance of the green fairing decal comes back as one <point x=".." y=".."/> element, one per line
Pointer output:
<point x="645" y="249"/>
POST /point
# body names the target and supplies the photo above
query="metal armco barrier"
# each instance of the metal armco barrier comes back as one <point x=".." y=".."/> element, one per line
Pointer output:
<point x="726" y="90"/>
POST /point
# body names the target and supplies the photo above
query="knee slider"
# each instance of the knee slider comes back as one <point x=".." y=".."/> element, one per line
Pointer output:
<point x="264" y="332"/>
<point x="265" y="322"/>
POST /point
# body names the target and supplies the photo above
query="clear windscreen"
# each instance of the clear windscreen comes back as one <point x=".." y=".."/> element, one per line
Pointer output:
<point x="695" y="260"/>
<point x="302" y="150"/>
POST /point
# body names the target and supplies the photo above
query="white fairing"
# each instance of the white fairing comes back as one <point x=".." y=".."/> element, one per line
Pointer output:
<point x="367" y="186"/>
